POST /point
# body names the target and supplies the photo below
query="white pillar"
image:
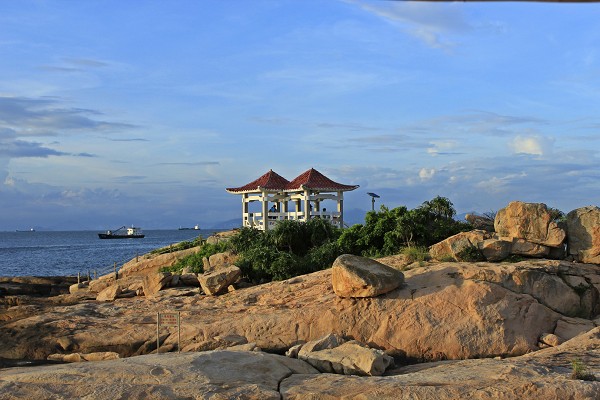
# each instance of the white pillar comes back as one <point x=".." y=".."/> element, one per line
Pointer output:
<point x="265" y="211"/>
<point x="306" y="205"/>
<point x="340" y="207"/>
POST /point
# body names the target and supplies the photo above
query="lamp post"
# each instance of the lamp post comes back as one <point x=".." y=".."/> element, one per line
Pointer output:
<point x="373" y="197"/>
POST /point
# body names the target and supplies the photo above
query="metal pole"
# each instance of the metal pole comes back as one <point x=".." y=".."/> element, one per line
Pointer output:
<point x="372" y="203"/>
<point x="78" y="278"/>
<point x="179" y="332"/>
<point x="116" y="274"/>
<point x="157" y="337"/>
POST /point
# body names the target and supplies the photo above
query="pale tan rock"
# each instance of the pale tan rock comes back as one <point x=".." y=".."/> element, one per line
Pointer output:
<point x="207" y="375"/>
<point x="540" y="375"/>
<point x="480" y="222"/>
<point x="550" y="339"/>
<point x="221" y="260"/>
<point x="109" y="294"/>
<point x="568" y="328"/>
<point x="79" y="287"/>
<point x="495" y="249"/>
<point x="583" y="225"/>
<point x="444" y="311"/>
<point x="455" y="246"/>
<point x="531" y="222"/>
<point x="215" y="282"/>
<point x="326" y="342"/>
<point x="354" y="276"/>
<point x="150" y="264"/>
<point x="350" y="358"/>
<point x="189" y="279"/>
<point x="526" y="248"/>
<point x="155" y="282"/>
<point x="219" y="237"/>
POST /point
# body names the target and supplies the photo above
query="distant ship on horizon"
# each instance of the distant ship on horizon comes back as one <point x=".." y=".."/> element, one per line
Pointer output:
<point x="195" y="228"/>
<point x="29" y="230"/>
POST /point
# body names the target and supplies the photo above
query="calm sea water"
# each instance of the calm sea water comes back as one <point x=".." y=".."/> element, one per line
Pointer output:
<point x="67" y="253"/>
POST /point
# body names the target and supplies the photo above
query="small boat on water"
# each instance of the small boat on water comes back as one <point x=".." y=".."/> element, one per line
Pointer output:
<point x="123" y="233"/>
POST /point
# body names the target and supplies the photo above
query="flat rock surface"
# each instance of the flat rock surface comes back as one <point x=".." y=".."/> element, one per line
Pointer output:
<point x="545" y="374"/>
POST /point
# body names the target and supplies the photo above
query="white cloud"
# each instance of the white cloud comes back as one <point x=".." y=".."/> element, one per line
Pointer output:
<point x="441" y="146"/>
<point x="426" y="173"/>
<point x="430" y="23"/>
<point x="534" y="144"/>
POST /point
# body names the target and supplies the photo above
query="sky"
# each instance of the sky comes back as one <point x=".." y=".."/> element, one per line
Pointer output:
<point x="116" y="113"/>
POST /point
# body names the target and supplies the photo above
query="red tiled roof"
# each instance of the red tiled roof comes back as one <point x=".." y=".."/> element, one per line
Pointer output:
<point x="270" y="181"/>
<point x="313" y="179"/>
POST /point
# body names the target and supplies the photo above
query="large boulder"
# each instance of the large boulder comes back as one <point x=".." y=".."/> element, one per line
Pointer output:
<point x="524" y="247"/>
<point x="583" y="226"/>
<point x="216" y="282"/>
<point x="495" y="249"/>
<point x="109" y="294"/>
<point x="354" y="276"/>
<point x="153" y="283"/>
<point x="459" y="246"/>
<point x="480" y="222"/>
<point x="220" y="260"/>
<point x="350" y="358"/>
<point x="529" y="221"/>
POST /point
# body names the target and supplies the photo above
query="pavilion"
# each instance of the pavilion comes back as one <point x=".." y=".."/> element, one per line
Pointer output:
<point x="306" y="194"/>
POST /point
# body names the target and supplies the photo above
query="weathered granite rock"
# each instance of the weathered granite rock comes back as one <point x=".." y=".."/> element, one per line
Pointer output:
<point x="529" y="221"/>
<point x="217" y="281"/>
<point x="79" y="357"/>
<point x="495" y="249"/>
<point x="79" y="287"/>
<point x="109" y="294"/>
<point x="219" y="237"/>
<point x="455" y="246"/>
<point x="583" y="225"/>
<point x="354" y="276"/>
<point x="443" y="311"/>
<point x="544" y="374"/>
<point x="155" y="282"/>
<point x="551" y="339"/>
<point x="220" y="260"/>
<point x="189" y="279"/>
<point x="480" y="222"/>
<point x="350" y="358"/>
<point x="567" y="328"/>
<point x="207" y="375"/>
<point x="149" y="263"/>
<point x="526" y="248"/>
<point x="329" y="341"/>
<point x="35" y="285"/>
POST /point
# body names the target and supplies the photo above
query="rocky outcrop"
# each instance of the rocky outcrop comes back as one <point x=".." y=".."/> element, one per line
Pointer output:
<point x="79" y="357"/>
<point x="36" y="285"/>
<point x="216" y="282"/>
<point x="443" y="311"/>
<point x="531" y="222"/>
<point x="583" y="226"/>
<point x="219" y="237"/>
<point x="355" y="276"/>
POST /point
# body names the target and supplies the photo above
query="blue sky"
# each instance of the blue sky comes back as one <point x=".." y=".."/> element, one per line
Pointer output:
<point x="143" y="112"/>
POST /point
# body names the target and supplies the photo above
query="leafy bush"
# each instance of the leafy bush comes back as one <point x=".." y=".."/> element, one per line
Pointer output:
<point x="194" y="261"/>
<point x="580" y="371"/>
<point x="388" y="231"/>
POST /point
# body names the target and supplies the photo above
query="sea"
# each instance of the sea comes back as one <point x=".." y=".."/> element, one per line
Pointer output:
<point x="55" y="253"/>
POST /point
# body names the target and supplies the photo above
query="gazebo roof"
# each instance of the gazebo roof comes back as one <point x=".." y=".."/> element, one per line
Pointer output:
<point x="310" y="179"/>
<point x="314" y="180"/>
<point x="270" y="181"/>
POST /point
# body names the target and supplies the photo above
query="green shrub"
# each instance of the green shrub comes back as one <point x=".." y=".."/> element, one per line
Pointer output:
<point x="416" y="254"/>
<point x="194" y="261"/>
<point x="580" y="371"/>
<point x="470" y="254"/>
